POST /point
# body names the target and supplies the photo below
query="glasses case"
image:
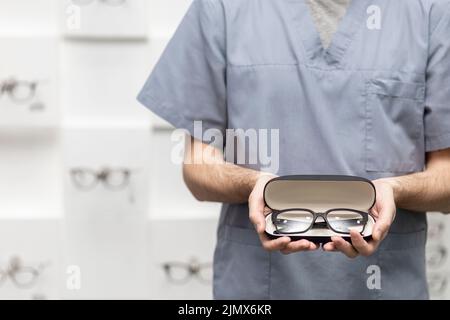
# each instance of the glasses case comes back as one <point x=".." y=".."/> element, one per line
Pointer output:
<point x="319" y="194"/>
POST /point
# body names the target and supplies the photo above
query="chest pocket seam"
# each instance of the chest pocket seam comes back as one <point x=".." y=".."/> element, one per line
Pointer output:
<point x="397" y="89"/>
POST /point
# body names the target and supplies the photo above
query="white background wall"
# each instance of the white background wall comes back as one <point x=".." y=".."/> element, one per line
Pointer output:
<point x="117" y="239"/>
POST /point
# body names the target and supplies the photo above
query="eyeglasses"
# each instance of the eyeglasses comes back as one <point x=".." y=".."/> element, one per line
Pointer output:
<point x="436" y="229"/>
<point x="292" y="221"/>
<point x="112" y="3"/>
<point x="437" y="283"/>
<point x="19" y="91"/>
<point x="113" y="179"/>
<point x="181" y="272"/>
<point x="23" y="277"/>
<point x="436" y="256"/>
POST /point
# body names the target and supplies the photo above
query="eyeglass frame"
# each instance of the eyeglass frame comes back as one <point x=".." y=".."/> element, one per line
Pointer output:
<point x="437" y="250"/>
<point x="101" y="177"/>
<point x="7" y="87"/>
<point x="193" y="267"/>
<point x="436" y="229"/>
<point x="316" y="215"/>
<point x="441" y="280"/>
<point x="15" y="266"/>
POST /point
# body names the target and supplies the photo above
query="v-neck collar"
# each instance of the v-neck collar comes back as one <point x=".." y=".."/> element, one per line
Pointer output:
<point x="306" y="29"/>
<point x="326" y="15"/>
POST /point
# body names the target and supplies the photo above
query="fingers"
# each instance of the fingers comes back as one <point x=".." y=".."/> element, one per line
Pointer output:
<point x="385" y="209"/>
<point x="383" y="224"/>
<point x="313" y="246"/>
<point x="363" y="247"/>
<point x="381" y="228"/>
<point x="258" y="219"/>
<point x="297" y="246"/>
<point x="329" y="247"/>
<point x="358" y="245"/>
<point x="274" y="245"/>
<point x="257" y="216"/>
<point x="344" y="247"/>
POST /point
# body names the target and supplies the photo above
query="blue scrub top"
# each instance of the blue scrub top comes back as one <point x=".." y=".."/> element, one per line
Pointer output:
<point x="371" y="105"/>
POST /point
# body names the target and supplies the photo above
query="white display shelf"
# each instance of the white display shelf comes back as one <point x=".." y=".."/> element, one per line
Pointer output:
<point x="30" y="214"/>
<point x="25" y="17"/>
<point x="36" y="33"/>
<point x="30" y="167"/>
<point x="110" y="254"/>
<point x="195" y="211"/>
<point x="105" y="124"/>
<point x="99" y="20"/>
<point x="210" y="217"/>
<point x="101" y="80"/>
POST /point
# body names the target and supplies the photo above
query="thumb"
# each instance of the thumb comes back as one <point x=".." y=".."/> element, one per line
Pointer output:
<point x="257" y="217"/>
<point x="383" y="224"/>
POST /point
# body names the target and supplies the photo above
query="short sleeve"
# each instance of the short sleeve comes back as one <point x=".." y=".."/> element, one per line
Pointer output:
<point x="437" y="113"/>
<point x="188" y="83"/>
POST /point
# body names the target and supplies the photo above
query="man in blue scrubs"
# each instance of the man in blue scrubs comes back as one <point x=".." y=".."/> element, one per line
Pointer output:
<point x="356" y="87"/>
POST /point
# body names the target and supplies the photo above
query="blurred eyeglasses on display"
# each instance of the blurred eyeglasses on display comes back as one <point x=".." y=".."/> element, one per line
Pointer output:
<point x="19" y="91"/>
<point x="114" y="179"/>
<point x="182" y="272"/>
<point x="436" y="256"/>
<point x="436" y="229"/>
<point x="437" y="284"/>
<point x="112" y="3"/>
<point x="23" y="277"/>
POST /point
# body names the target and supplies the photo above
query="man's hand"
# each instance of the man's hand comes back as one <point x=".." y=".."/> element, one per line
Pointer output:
<point x="384" y="213"/>
<point x="258" y="212"/>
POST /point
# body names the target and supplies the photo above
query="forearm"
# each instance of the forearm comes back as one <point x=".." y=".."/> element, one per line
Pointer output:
<point x="428" y="190"/>
<point x="226" y="183"/>
<point x="210" y="178"/>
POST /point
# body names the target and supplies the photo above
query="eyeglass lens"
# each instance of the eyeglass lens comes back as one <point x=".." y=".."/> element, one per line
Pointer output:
<point x="116" y="178"/>
<point x="23" y="277"/>
<point x="437" y="284"/>
<point x="84" y="178"/>
<point x="437" y="256"/>
<point x="296" y="221"/>
<point x="435" y="230"/>
<point x="87" y="179"/>
<point x="345" y="221"/>
<point x="182" y="272"/>
<point x="20" y="91"/>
